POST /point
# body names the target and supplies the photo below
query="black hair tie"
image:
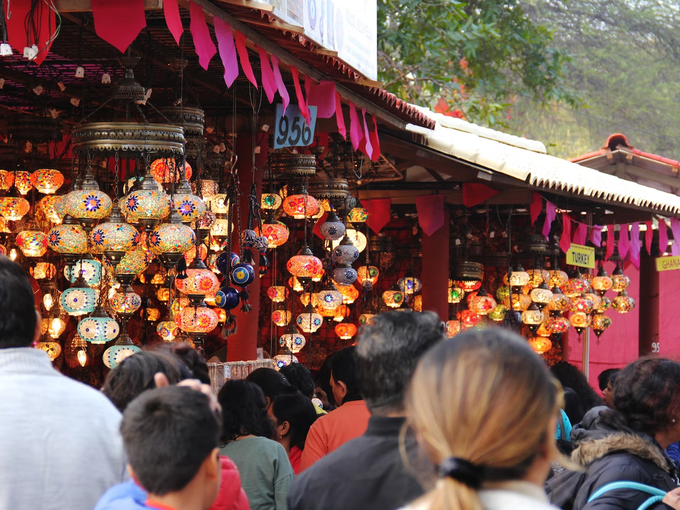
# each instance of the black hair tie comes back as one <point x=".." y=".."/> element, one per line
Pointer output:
<point x="463" y="471"/>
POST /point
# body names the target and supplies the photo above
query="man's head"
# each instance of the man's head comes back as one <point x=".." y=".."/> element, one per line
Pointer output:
<point x="606" y="383"/>
<point x="387" y="353"/>
<point x="171" y="438"/>
<point x="299" y="377"/>
<point x="19" y="318"/>
<point x="344" y="377"/>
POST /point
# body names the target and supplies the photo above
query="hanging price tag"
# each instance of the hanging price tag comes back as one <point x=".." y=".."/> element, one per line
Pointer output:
<point x="291" y="128"/>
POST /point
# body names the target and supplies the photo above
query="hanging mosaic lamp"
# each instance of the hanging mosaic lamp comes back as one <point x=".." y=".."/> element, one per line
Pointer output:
<point x="365" y="318"/>
<point x="620" y="281"/>
<point x="453" y="327"/>
<point x="219" y="204"/>
<point x="468" y="285"/>
<point x="580" y="321"/>
<point x="358" y="239"/>
<point x="133" y="262"/>
<point x="582" y="304"/>
<point x="23" y="181"/>
<point x="147" y="205"/>
<point x="345" y="330"/>
<point x="56" y="325"/>
<point x="469" y="319"/>
<point x="199" y="283"/>
<point x="410" y="285"/>
<point x="190" y="207"/>
<point x="14" y="208"/>
<point x="309" y="321"/>
<point x="332" y="229"/>
<point x="124" y="348"/>
<point x="368" y="276"/>
<point x="284" y="358"/>
<point x="276" y="233"/>
<point x="605" y="304"/>
<point x="6" y="180"/>
<point x="199" y="320"/>
<point x="345" y="252"/>
<point x="270" y="201"/>
<point x="88" y="205"/>
<point x="68" y="239"/>
<point x="541" y="295"/>
<point x="558" y="278"/>
<point x="125" y="302"/>
<point x="292" y="341"/>
<point x="349" y="293"/>
<point x="576" y="286"/>
<point x="281" y="317"/>
<point x="532" y="317"/>
<point x="358" y="214"/>
<point x="114" y="238"/>
<point x="557" y="325"/>
<point x="623" y="303"/>
<point x="47" y="208"/>
<point x="89" y="269"/>
<point x="344" y="274"/>
<point x="48" y="181"/>
<point x="165" y="171"/>
<point x="540" y="344"/>
<point x="559" y="302"/>
<point x="300" y="206"/>
<point x="99" y="328"/>
<point x="498" y="313"/>
<point x="600" y="323"/>
<point x="518" y="277"/>
<point x="78" y="299"/>
<point x="43" y="270"/>
<point x="304" y="265"/>
<point x="393" y="298"/>
<point x="330" y="298"/>
<point x="171" y="240"/>
<point x="277" y="293"/>
<point x="520" y="302"/>
<point x="482" y="303"/>
<point x="456" y="294"/>
<point x="167" y="330"/>
<point x="602" y="282"/>
<point x="32" y="242"/>
<point x="537" y="276"/>
<point x="295" y="284"/>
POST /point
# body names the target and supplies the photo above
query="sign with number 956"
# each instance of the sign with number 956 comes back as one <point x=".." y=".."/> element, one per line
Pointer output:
<point x="292" y="129"/>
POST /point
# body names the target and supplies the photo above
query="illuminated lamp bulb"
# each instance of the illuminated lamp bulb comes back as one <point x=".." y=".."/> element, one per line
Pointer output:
<point x="345" y="330"/>
<point x="332" y="229"/>
<point x="68" y="239"/>
<point x="89" y="269"/>
<point x="341" y="313"/>
<point x="368" y="276"/>
<point x="600" y="323"/>
<point x="409" y="285"/>
<point x="623" y="303"/>
<point x="219" y="204"/>
<point x="582" y="304"/>
<point x="580" y="321"/>
<point x="48" y="301"/>
<point x="482" y="303"/>
<point x="209" y="188"/>
<point x="167" y="330"/>
<point x="498" y="313"/>
<point x="304" y="265"/>
<point x="23" y="181"/>
<point x="277" y="293"/>
<point x="14" y="208"/>
<point x="164" y="170"/>
<point x="281" y="317"/>
<point x="345" y="252"/>
<point x="468" y="319"/>
<point x="366" y="318"/>
<point x="171" y="240"/>
<point x="532" y="317"/>
<point x="56" y="326"/>
<point x="453" y="327"/>
<point x="89" y="204"/>
<point x="358" y="239"/>
<point x="300" y="206"/>
<point x="47" y="181"/>
<point x="358" y="215"/>
<point x="468" y="285"/>
<point x="456" y="294"/>
<point x="309" y="320"/>
<point x="330" y="298"/>
<point x="541" y="295"/>
<point x="518" y="277"/>
<point x="32" y="242"/>
<point x="99" y="328"/>
<point x="125" y="303"/>
<point x="540" y="344"/>
<point x="349" y="293"/>
<point x="276" y="233"/>
<point x="52" y="349"/>
<point x="147" y="205"/>
<point x="198" y="319"/>
<point x="114" y="238"/>
<point x="270" y="201"/>
<point x="393" y="298"/>
<point x="6" y="180"/>
<point x="557" y="325"/>
<point x="190" y="207"/>
<point x="295" y="284"/>
<point x="559" y="302"/>
<point x="558" y="278"/>
<point x="82" y="357"/>
<point x="620" y="281"/>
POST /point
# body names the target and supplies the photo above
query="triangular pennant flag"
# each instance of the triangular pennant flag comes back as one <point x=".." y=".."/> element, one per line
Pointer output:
<point x="368" y="148"/>
<point x="624" y="241"/>
<point x="322" y="96"/>
<point x="17" y="35"/>
<point x="355" y="131"/>
<point x="649" y="236"/>
<point x="378" y="213"/>
<point x="174" y="20"/>
<point x="565" y="240"/>
<point x="550" y="213"/>
<point x="635" y="244"/>
<point x="302" y="104"/>
<point x="375" y="140"/>
<point x="430" y="213"/>
<point x="280" y="86"/>
<point x="119" y="22"/>
<point x="477" y="193"/>
<point x="596" y="236"/>
<point x="268" y="81"/>
<point x="339" y="116"/>
<point x="663" y="237"/>
<point x="675" y="228"/>
<point x="205" y="47"/>
<point x="244" y="57"/>
<point x="580" y="234"/>
<point x="536" y="206"/>
<point x="611" y="243"/>
<point x="225" y="43"/>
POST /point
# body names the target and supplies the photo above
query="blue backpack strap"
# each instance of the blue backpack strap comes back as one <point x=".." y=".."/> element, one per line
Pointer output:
<point x="657" y="494"/>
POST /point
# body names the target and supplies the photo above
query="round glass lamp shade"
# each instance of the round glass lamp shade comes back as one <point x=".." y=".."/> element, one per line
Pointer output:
<point x="293" y="341"/>
<point x="199" y="282"/>
<point x="537" y="276"/>
<point x="518" y="278"/>
<point x="281" y="317"/>
<point x="163" y="169"/>
<point x="520" y="302"/>
<point x="600" y="323"/>
<point x="345" y="330"/>
<point x="330" y="298"/>
<point x="453" y="327"/>
<point x="114" y="237"/>
<point x="309" y="321"/>
<point x="114" y="355"/>
<point x="557" y="325"/>
<point x="167" y="330"/>
<point x="48" y="208"/>
<point x="623" y="303"/>
<point x="198" y="319"/>
<point x="540" y="344"/>
<point x="171" y="238"/>
<point x="48" y="181"/>
<point x="304" y="265"/>
<point x="340" y="313"/>
<point x="559" y="302"/>
<point x="582" y="304"/>
<point x="532" y="317"/>
<point x="597" y="300"/>
<point x="409" y="285"/>
<point x="580" y="321"/>
<point x="271" y="201"/>
<point x="52" y="349"/>
<point x="455" y="295"/>
<point x="67" y="239"/>
<point x="14" y="208"/>
<point x="368" y="275"/>
<point x="98" y="330"/>
<point x="55" y="326"/>
<point x="575" y="287"/>
<point x="605" y="304"/>
<point x="332" y="229"/>
<point x="134" y="262"/>
<point x="6" y="180"/>
<point x="468" y="285"/>
<point x="89" y="269"/>
<point x="190" y="255"/>
<point x="365" y="318"/>
<point x="469" y="319"/>
<point x="300" y="206"/>
<point x="483" y="304"/>
<point x="541" y="295"/>
<point x="23" y="181"/>
<point x="275" y="232"/>
<point x="349" y="293"/>
<point x="189" y="207"/>
<point x="283" y="360"/>
<point x="43" y="270"/>
<point x="145" y="205"/>
<point x="358" y="215"/>
<point x="32" y="243"/>
<point x="620" y="282"/>
<point x="345" y="253"/>
<point x="557" y="278"/>
<point x="344" y="275"/>
<point x="88" y="204"/>
<point x="295" y="284"/>
<point x="602" y="284"/>
<point x="277" y="293"/>
<point x="498" y="313"/>
<point x="393" y="298"/>
<point x="125" y="303"/>
<point x="78" y="301"/>
<point x="358" y="239"/>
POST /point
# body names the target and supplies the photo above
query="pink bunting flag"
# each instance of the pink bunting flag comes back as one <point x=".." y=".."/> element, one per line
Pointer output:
<point x="675" y="250"/>
<point x="205" y="47"/>
<point x="368" y="148"/>
<point x="635" y="244"/>
<point x="663" y="237"/>
<point x="245" y="58"/>
<point x="225" y="43"/>
<point x="649" y="236"/>
<point x="611" y="243"/>
<point x="624" y="241"/>
<point x="580" y="234"/>
<point x="536" y="206"/>
<point x="302" y="103"/>
<point x="268" y="81"/>
<point x="355" y="131"/>
<point x="430" y="213"/>
<point x="565" y="240"/>
<point x="280" y="86"/>
<point x="378" y="213"/>
<point x="322" y="96"/>
<point x="675" y="228"/>
<point x="596" y="235"/>
<point x="173" y="19"/>
<point x="375" y="141"/>
<point x="339" y="116"/>
<point x="119" y="22"/>
<point x="550" y="214"/>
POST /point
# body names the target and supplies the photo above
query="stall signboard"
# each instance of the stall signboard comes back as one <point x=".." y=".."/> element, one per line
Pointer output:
<point x="581" y="256"/>
<point x="348" y="27"/>
<point x="291" y="129"/>
<point x="667" y="263"/>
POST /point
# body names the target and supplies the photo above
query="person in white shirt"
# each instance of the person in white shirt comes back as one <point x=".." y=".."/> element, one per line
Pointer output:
<point x="60" y="444"/>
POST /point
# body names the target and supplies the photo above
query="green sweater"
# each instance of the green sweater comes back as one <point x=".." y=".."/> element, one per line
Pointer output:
<point x="266" y="473"/>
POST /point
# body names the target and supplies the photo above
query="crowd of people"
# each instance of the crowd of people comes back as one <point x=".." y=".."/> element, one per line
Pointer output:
<point x="406" y="419"/>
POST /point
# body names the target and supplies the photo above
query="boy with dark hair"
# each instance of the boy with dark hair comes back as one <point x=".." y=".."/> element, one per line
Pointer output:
<point x="171" y="436"/>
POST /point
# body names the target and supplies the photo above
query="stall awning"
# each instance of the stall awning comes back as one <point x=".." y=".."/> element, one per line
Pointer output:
<point x="528" y="161"/>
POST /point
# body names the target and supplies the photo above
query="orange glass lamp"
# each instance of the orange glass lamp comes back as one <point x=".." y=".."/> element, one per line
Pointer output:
<point x="580" y="321"/>
<point x="300" y="206"/>
<point x="277" y="293"/>
<point x="167" y="330"/>
<point x="32" y="242"/>
<point x="623" y="303"/>
<point x="620" y="281"/>
<point x="281" y="317"/>
<point x="533" y="317"/>
<point x="304" y="265"/>
<point x="276" y="233"/>
<point x="6" y="180"/>
<point x="199" y="320"/>
<point x="393" y="298"/>
<point x="14" y="208"/>
<point x="341" y="313"/>
<point x="540" y="344"/>
<point x="558" y="278"/>
<point x="482" y="303"/>
<point x="453" y="327"/>
<point x="199" y="283"/>
<point x="48" y="181"/>
<point x="368" y="276"/>
<point x="345" y="330"/>
<point x="349" y="293"/>
<point x="23" y="181"/>
<point x="602" y="282"/>
<point x="468" y="285"/>
<point x="468" y="319"/>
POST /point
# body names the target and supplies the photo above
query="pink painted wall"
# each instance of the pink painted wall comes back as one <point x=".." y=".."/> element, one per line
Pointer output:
<point x="619" y="345"/>
<point x="669" y="314"/>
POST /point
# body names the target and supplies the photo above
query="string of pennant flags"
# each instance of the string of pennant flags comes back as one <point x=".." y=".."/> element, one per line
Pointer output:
<point x="629" y="239"/>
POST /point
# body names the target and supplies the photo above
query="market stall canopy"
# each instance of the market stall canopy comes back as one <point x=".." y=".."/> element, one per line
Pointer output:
<point x="527" y="161"/>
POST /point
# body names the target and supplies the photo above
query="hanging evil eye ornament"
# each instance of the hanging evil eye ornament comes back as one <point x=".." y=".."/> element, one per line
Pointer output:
<point x="243" y="275"/>
<point x="226" y="261"/>
<point x="261" y="244"/>
<point x="228" y="298"/>
<point x="248" y="239"/>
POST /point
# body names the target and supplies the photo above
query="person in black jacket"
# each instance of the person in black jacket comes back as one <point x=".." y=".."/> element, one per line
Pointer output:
<point x="626" y="444"/>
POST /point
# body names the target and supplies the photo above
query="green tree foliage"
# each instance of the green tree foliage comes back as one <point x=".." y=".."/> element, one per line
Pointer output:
<point x="468" y="56"/>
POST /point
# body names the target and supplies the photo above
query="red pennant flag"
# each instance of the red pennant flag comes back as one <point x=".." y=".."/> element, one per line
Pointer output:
<point x="536" y="206"/>
<point x="611" y="243"/>
<point x="430" y="213"/>
<point x="368" y="148"/>
<point x="302" y="104"/>
<point x="245" y="58"/>
<point x="550" y="214"/>
<point x="119" y="22"/>
<point x="378" y="213"/>
<point x="624" y="241"/>
<point x="174" y="21"/>
<point x="663" y="237"/>
<point x="596" y="235"/>
<point x="225" y="43"/>
<point x="580" y="234"/>
<point x="280" y="86"/>
<point x="475" y="193"/>
<point x="355" y="131"/>
<point x="339" y="116"/>
<point x="375" y="141"/>
<point x="317" y="225"/>
<point x="268" y="81"/>
<point x="19" y="38"/>
<point x="565" y="240"/>
<point x="322" y="96"/>
<point x="205" y="47"/>
<point x="649" y="236"/>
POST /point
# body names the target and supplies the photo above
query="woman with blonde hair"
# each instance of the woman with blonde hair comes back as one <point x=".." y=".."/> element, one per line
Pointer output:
<point x="484" y="407"/>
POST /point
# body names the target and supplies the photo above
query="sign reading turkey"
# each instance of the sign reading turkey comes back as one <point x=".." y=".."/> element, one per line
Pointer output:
<point x="581" y="256"/>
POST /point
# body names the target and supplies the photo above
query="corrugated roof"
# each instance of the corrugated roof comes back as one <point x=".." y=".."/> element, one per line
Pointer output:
<point x="527" y="161"/>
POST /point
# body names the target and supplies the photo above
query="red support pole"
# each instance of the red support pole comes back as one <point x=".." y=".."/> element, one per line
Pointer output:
<point x="435" y="274"/>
